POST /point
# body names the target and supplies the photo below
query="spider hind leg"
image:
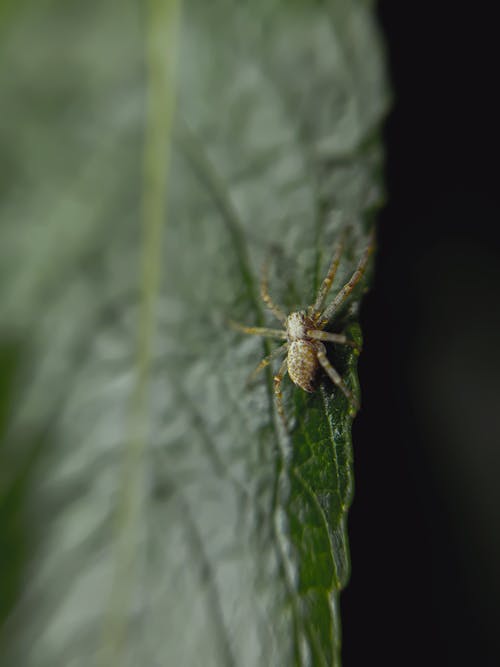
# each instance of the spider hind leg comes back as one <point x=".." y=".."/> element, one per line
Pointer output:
<point x="278" y="379"/>
<point x="335" y="377"/>
<point x="265" y="362"/>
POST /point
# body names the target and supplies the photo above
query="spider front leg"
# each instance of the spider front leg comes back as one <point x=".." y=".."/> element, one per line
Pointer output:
<point x="317" y="307"/>
<point x="334" y="375"/>
<point x="266" y="297"/>
<point x="349" y="286"/>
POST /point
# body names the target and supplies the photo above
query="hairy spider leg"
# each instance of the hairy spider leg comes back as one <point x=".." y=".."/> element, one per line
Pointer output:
<point x="349" y="286"/>
<point x="266" y="297"/>
<point x="340" y="339"/>
<point x="266" y="361"/>
<point x="316" y="308"/>
<point x="334" y="375"/>
<point x="278" y="379"/>
<point x="258" y="331"/>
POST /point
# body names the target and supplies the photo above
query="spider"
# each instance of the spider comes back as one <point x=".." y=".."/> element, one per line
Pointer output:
<point x="303" y="332"/>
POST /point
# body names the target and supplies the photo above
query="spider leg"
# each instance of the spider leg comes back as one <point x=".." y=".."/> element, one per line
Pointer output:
<point x="278" y="378"/>
<point x="315" y="309"/>
<point x="350" y="285"/>
<point x="258" y="331"/>
<point x="265" y="362"/>
<point x="340" y="339"/>
<point x="266" y="297"/>
<point x="334" y="376"/>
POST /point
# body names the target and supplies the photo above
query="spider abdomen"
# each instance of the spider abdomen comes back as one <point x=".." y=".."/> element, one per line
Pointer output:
<point x="302" y="362"/>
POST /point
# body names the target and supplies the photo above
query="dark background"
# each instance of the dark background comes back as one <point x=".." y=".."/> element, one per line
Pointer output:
<point x="427" y="442"/>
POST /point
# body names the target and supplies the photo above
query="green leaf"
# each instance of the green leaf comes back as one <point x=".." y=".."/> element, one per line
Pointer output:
<point x="170" y="519"/>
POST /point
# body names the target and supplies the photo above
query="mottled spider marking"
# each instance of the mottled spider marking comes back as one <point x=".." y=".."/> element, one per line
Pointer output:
<point x="302" y="357"/>
<point x="303" y="331"/>
<point x="302" y="364"/>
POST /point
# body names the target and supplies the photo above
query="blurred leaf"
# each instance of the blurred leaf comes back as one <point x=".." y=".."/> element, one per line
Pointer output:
<point x="210" y="537"/>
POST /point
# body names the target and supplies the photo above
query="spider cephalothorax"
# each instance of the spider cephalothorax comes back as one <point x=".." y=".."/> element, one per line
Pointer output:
<point x="303" y="332"/>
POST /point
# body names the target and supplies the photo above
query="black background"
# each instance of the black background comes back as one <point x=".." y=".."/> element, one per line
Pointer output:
<point x="425" y="587"/>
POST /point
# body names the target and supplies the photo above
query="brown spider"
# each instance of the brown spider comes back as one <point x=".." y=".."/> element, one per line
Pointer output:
<point x="303" y="332"/>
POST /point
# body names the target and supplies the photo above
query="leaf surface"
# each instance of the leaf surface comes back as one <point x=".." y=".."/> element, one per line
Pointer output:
<point x="221" y="539"/>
